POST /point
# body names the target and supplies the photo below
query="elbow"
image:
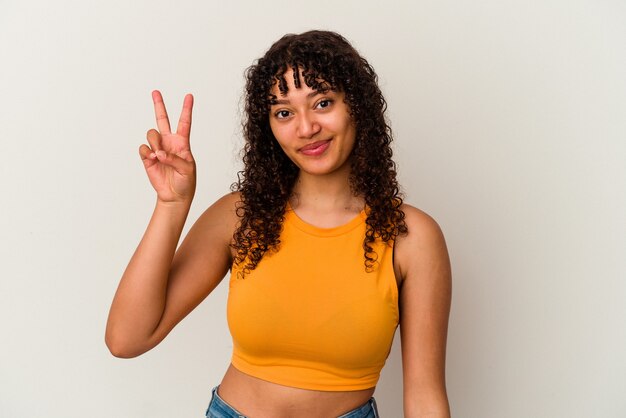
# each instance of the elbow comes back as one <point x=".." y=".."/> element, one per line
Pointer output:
<point x="120" y="351"/>
<point x="121" y="348"/>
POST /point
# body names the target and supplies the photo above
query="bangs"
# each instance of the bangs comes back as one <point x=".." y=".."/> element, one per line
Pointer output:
<point x="316" y="80"/>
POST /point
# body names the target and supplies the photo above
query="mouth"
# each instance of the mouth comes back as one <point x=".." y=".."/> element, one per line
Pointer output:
<point x="315" y="148"/>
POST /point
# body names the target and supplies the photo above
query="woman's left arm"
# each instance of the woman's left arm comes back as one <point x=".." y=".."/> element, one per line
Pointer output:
<point x="421" y="260"/>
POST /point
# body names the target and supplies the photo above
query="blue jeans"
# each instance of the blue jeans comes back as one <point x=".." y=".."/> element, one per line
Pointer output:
<point x="218" y="408"/>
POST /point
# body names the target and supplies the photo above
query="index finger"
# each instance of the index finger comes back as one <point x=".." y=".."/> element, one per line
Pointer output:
<point x="184" y="123"/>
<point x="163" y="122"/>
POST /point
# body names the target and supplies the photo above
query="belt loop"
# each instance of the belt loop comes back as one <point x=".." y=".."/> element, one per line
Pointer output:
<point x="375" y="408"/>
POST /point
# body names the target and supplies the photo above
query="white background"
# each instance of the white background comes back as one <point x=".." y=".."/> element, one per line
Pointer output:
<point x="510" y="126"/>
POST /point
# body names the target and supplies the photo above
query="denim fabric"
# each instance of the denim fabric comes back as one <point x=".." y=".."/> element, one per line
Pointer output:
<point x="218" y="408"/>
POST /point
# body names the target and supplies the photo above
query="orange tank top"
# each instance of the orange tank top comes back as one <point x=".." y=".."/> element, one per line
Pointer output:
<point x="310" y="316"/>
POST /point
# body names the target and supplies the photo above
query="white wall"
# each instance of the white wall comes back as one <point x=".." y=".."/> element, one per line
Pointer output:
<point x="510" y="124"/>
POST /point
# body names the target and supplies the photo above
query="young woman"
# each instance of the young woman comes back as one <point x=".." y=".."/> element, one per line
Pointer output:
<point x="325" y="259"/>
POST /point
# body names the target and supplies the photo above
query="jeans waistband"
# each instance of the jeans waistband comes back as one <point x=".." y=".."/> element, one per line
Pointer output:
<point x="219" y="408"/>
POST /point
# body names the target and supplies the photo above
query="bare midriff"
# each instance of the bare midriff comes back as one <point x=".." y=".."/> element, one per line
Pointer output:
<point x="257" y="398"/>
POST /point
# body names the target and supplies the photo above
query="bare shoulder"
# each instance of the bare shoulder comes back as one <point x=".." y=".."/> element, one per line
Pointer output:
<point x="423" y="229"/>
<point x="424" y="243"/>
<point x="221" y="216"/>
<point x="225" y="206"/>
<point x="212" y="234"/>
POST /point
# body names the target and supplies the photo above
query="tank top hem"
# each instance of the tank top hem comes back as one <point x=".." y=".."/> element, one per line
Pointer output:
<point x="250" y="370"/>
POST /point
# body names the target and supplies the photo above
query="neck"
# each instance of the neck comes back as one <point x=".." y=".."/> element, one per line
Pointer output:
<point x="327" y="193"/>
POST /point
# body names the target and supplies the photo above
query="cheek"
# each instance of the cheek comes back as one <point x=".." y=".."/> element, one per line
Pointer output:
<point x="276" y="131"/>
<point x="283" y="143"/>
<point x="351" y="133"/>
<point x="280" y="137"/>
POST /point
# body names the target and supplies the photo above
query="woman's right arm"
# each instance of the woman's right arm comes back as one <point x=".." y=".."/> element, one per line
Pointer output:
<point x="161" y="286"/>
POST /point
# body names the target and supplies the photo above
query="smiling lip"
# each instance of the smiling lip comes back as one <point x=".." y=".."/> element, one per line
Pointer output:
<point x="316" y="148"/>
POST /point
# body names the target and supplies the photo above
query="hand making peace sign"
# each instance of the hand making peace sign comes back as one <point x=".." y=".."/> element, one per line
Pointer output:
<point x="168" y="160"/>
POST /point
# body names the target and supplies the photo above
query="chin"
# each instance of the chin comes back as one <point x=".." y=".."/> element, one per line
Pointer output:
<point x="319" y="170"/>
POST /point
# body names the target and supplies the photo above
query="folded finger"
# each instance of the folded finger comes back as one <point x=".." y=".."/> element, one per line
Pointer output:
<point x="146" y="153"/>
<point x="163" y="122"/>
<point x="154" y="139"/>
<point x="184" y="122"/>
<point x="148" y="156"/>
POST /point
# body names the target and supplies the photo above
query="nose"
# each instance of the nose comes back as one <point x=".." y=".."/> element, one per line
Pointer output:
<point x="307" y="125"/>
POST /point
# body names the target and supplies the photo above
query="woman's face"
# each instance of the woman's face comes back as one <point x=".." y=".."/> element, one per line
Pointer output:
<point x="314" y="129"/>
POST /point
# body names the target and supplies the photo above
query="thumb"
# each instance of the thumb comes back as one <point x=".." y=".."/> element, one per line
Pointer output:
<point x="180" y="165"/>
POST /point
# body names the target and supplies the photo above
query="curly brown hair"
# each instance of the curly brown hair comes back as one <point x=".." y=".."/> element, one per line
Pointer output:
<point x="323" y="60"/>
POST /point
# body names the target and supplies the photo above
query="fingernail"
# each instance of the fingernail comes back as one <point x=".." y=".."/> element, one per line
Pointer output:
<point x="160" y="154"/>
<point x="152" y="155"/>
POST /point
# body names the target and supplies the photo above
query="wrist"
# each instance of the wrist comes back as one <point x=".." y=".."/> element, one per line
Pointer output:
<point x="174" y="207"/>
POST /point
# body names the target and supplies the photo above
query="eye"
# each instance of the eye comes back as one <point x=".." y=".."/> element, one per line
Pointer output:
<point x="282" y="114"/>
<point x="324" y="103"/>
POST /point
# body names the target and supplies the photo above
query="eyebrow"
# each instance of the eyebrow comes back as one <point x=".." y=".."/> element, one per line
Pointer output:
<point x="308" y="96"/>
